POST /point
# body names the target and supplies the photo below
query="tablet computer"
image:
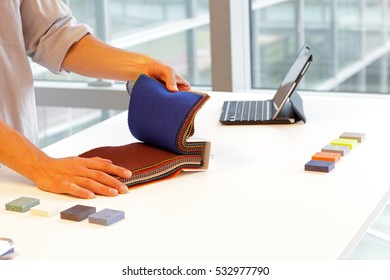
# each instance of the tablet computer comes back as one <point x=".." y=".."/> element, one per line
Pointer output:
<point x="279" y="109"/>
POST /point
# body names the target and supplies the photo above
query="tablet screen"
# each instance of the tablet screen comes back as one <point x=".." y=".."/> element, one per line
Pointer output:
<point x="291" y="81"/>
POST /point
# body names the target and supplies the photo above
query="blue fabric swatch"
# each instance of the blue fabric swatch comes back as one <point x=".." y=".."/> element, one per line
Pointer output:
<point x="156" y="114"/>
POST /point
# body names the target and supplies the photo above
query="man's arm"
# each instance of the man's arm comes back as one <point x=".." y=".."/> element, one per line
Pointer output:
<point x="94" y="58"/>
<point x="73" y="175"/>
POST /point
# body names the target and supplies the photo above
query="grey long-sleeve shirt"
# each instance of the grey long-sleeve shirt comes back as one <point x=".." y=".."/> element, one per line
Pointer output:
<point x="43" y="30"/>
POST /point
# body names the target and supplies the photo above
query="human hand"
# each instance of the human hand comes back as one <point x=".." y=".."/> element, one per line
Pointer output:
<point x="167" y="75"/>
<point x="80" y="177"/>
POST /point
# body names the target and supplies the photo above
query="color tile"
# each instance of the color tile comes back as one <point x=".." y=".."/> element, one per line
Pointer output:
<point x="106" y="217"/>
<point x="353" y="135"/>
<point x="342" y="150"/>
<point x="77" y="213"/>
<point x="21" y="204"/>
<point x="351" y="143"/>
<point x="334" y="157"/>
<point x="46" y="209"/>
<point x="319" y="166"/>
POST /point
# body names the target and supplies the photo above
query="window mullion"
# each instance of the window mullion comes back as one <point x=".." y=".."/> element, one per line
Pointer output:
<point x="230" y="52"/>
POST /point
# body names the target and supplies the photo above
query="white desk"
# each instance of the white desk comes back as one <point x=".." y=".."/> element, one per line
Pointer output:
<point x="255" y="202"/>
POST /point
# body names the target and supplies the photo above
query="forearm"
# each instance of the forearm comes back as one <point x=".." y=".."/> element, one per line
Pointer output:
<point x="93" y="58"/>
<point x="18" y="153"/>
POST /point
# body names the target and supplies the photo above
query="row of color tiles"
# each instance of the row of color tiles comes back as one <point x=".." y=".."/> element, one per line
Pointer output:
<point x="76" y="213"/>
<point x="325" y="161"/>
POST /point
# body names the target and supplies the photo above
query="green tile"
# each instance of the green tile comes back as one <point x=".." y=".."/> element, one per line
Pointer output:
<point x="21" y="204"/>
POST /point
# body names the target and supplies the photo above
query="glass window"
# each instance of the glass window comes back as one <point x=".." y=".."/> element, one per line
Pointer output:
<point x="188" y="52"/>
<point x="56" y="123"/>
<point x="131" y="16"/>
<point x="348" y="39"/>
<point x="274" y="41"/>
<point x="118" y="22"/>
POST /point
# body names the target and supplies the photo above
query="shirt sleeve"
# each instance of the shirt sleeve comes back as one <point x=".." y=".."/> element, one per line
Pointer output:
<point x="49" y="30"/>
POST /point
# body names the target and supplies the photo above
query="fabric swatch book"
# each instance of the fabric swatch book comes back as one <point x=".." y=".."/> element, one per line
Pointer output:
<point x="163" y="122"/>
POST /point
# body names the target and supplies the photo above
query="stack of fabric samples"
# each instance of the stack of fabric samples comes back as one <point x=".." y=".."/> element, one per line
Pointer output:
<point x="162" y="121"/>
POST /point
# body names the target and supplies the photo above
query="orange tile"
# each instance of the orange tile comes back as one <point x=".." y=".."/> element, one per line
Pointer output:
<point x="334" y="157"/>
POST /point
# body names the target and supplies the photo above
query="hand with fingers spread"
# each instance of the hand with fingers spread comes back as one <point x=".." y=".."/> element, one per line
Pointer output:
<point x="81" y="177"/>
